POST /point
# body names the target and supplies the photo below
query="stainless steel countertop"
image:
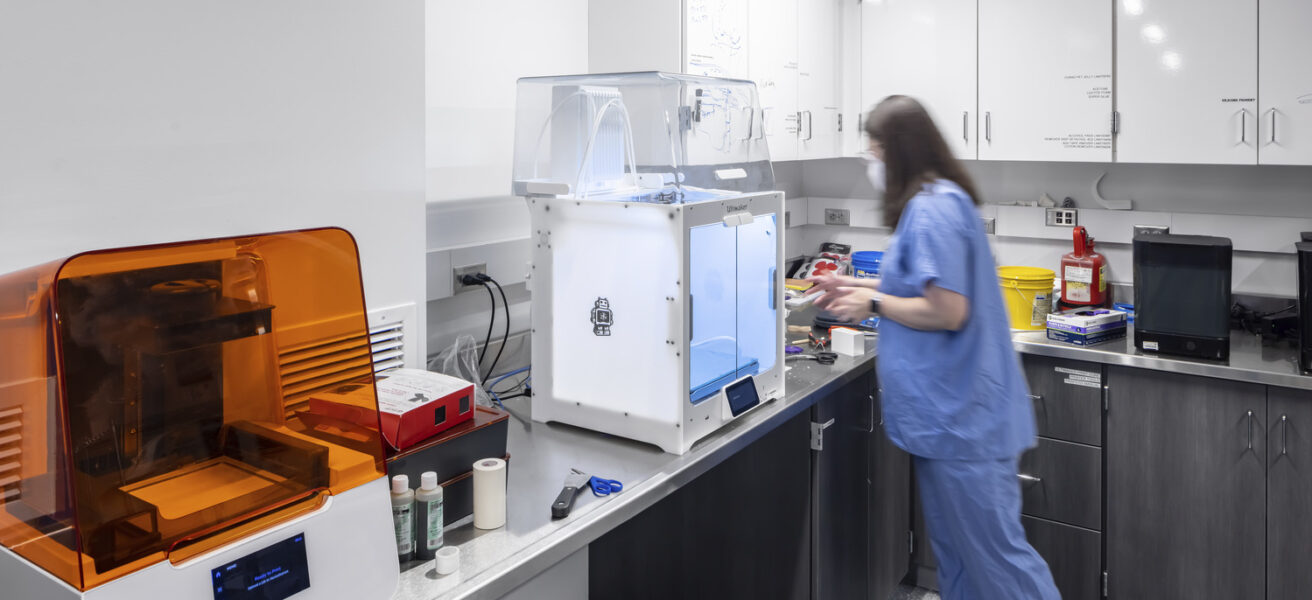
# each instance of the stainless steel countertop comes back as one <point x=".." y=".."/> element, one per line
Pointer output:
<point x="1250" y="360"/>
<point x="492" y="563"/>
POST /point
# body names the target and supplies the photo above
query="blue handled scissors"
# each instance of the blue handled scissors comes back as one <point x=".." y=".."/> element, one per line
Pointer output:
<point x="604" y="487"/>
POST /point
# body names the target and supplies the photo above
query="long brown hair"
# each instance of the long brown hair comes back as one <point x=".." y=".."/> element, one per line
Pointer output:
<point x="914" y="153"/>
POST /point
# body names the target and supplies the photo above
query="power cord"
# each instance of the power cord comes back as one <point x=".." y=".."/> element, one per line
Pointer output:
<point x="505" y="337"/>
<point x="487" y="282"/>
<point x="487" y="338"/>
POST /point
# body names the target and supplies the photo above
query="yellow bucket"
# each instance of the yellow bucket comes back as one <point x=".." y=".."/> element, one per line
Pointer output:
<point x="1028" y="291"/>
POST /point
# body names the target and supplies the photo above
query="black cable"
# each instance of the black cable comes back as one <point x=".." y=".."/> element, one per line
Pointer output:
<point x="505" y="337"/>
<point x="487" y="339"/>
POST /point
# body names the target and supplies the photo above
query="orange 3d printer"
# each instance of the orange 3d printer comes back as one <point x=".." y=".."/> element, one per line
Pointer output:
<point x="154" y="441"/>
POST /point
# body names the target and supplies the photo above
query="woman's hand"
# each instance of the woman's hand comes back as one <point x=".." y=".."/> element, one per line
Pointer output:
<point x="830" y="282"/>
<point x="852" y="304"/>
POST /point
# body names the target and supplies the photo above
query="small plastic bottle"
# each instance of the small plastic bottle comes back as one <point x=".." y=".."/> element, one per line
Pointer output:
<point x="428" y="516"/>
<point x="403" y="507"/>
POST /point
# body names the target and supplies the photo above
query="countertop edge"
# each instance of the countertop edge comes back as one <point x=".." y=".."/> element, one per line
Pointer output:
<point x="1215" y="370"/>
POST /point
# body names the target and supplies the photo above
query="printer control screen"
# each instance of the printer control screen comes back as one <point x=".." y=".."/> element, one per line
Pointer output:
<point x="273" y="573"/>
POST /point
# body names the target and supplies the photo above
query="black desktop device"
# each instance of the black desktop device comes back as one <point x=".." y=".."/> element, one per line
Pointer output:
<point x="1182" y="295"/>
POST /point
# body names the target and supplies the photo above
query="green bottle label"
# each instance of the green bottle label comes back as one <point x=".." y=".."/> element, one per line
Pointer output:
<point x="434" y="525"/>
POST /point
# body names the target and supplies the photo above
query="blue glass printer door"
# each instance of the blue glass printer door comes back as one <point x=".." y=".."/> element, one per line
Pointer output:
<point x="734" y="326"/>
<point x="758" y="337"/>
<point x="713" y="270"/>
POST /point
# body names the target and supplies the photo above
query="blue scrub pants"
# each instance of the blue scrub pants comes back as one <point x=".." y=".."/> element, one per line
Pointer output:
<point x="972" y="511"/>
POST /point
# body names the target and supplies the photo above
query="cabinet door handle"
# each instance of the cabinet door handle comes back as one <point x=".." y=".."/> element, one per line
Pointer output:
<point x="1273" y="126"/>
<point x="872" y="414"/>
<point x="1243" y="125"/>
<point x="1116" y="122"/>
<point x="965" y="125"/>
<point x="1250" y="430"/>
<point x="1028" y="479"/>
<point x="1036" y="398"/>
<point x="1284" y="434"/>
<point x="810" y="127"/>
<point x="988" y="127"/>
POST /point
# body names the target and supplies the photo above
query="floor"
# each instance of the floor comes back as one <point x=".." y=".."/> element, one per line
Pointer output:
<point x="907" y="592"/>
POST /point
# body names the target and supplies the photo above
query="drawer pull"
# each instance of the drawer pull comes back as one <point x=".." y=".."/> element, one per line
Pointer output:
<point x="1250" y="430"/>
<point x="1284" y="434"/>
<point x="1028" y="479"/>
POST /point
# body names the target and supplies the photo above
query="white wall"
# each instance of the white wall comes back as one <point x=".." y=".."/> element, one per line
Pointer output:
<point x="1261" y="208"/>
<point x="145" y="121"/>
<point x="475" y="53"/>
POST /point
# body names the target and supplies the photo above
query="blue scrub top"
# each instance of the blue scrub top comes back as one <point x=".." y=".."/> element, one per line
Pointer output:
<point x="950" y="395"/>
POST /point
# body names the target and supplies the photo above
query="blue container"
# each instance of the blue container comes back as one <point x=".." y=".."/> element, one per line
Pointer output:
<point x="865" y="265"/>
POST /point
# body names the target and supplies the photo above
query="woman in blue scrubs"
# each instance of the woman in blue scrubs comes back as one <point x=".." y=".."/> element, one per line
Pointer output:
<point x="953" y="393"/>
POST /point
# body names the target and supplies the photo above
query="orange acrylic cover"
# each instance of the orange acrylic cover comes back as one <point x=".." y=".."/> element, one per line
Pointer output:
<point x="152" y="399"/>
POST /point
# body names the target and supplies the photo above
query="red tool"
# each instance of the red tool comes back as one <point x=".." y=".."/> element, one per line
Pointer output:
<point x="1083" y="274"/>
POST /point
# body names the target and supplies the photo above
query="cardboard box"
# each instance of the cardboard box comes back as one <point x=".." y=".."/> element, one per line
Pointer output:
<point x="1084" y="321"/>
<point x="413" y="405"/>
<point x="1081" y="339"/>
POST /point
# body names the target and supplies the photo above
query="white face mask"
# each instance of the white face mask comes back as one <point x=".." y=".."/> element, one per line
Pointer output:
<point x="875" y="172"/>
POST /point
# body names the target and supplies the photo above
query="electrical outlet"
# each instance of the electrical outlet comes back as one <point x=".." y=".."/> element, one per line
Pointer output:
<point x="1062" y="217"/>
<point x="459" y="272"/>
<point x="838" y="216"/>
<point x="1150" y="229"/>
<point x="990" y="224"/>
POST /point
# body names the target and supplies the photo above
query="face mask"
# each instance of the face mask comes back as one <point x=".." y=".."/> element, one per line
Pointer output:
<point x="875" y="172"/>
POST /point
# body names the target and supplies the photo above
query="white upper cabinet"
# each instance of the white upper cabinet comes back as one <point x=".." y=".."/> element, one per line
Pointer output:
<point x="792" y="49"/>
<point x="925" y="49"/>
<point x="1045" y="80"/>
<point x="1285" y="93"/>
<point x="1187" y="81"/>
<point x="818" y="93"/>
<point x="716" y="40"/>
<point x="772" y="64"/>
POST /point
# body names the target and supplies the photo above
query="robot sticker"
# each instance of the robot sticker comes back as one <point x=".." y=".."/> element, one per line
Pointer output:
<point x="602" y="318"/>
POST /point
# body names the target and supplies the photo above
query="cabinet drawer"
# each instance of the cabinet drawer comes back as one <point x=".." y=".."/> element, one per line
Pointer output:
<point x="1066" y="484"/>
<point x="1073" y="555"/>
<point x="1067" y="396"/>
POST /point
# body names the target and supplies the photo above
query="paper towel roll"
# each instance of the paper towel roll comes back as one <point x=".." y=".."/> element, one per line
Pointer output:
<point x="489" y="493"/>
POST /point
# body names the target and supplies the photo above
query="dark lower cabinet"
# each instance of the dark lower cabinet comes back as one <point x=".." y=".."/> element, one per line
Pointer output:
<point x="1061" y="481"/>
<point x="741" y="530"/>
<point x="1186" y="487"/>
<point x="841" y="552"/>
<point x="862" y="499"/>
<point x="1289" y="494"/>
<point x="890" y="512"/>
<point x="1067" y="397"/>
<point x="1073" y="554"/>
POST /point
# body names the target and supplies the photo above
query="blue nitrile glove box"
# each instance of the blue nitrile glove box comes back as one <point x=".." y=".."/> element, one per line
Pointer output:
<point x="1085" y="327"/>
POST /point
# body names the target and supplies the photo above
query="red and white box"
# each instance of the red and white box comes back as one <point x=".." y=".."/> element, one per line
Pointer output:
<point x="413" y="404"/>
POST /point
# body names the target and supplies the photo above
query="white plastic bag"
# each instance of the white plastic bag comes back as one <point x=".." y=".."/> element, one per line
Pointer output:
<point x="461" y="360"/>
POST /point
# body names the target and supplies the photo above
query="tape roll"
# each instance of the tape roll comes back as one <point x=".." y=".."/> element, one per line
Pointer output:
<point x="447" y="560"/>
<point x="489" y="493"/>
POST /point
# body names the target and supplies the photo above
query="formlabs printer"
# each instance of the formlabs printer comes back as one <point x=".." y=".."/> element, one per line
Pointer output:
<point x="657" y="244"/>
<point x="154" y="441"/>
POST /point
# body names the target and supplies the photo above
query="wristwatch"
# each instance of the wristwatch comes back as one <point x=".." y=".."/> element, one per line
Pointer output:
<point x="874" y="303"/>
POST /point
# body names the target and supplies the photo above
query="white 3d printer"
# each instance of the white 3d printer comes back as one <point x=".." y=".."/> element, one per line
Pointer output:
<point x="657" y="245"/>
<point x="154" y="435"/>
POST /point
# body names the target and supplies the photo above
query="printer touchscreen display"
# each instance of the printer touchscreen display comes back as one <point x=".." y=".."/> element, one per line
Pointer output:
<point x="272" y="573"/>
